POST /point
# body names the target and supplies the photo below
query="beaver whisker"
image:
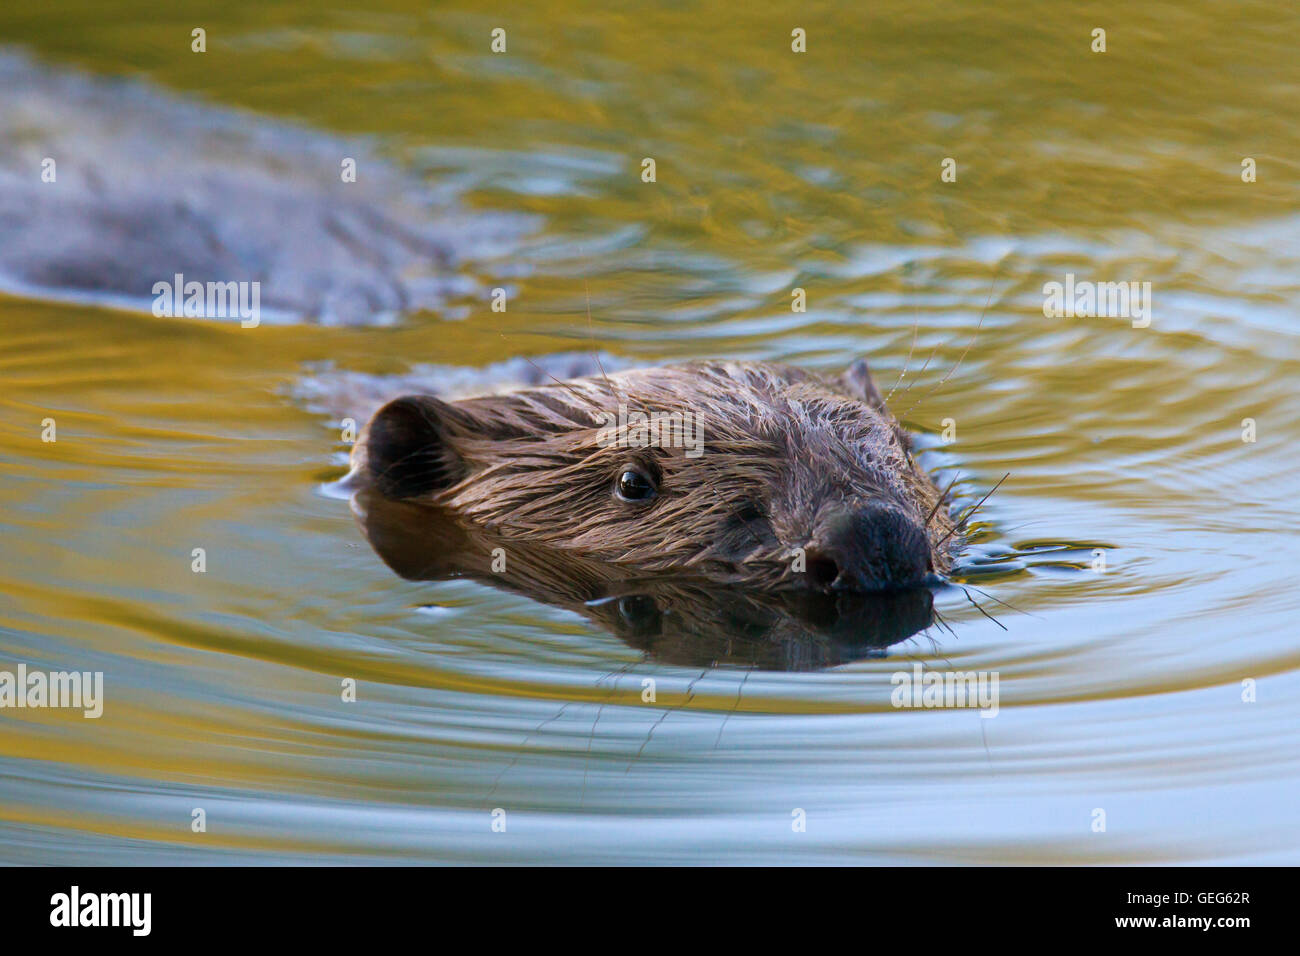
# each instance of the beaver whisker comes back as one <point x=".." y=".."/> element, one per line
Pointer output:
<point x="966" y="516"/>
<point x="979" y="325"/>
<point x="600" y="708"/>
<point x="1007" y="604"/>
<point x="942" y="495"/>
<point x="982" y="611"/>
<point x="736" y="706"/>
<point x="591" y="337"/>
<point x="939" y="619"/>
<point x="908" y="387"/>
<point x="564" y="385"/>
<point x="617" y="672"/>
<point x="690" y="695"/>
<point x="916" y="328"/>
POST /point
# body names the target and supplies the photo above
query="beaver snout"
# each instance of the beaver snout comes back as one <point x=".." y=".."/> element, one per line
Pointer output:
<point x="875" y="547"/>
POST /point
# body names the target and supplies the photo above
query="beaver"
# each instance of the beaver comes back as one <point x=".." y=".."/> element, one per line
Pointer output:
<point x="798" y="481"/>
<point x="673" y="619"/>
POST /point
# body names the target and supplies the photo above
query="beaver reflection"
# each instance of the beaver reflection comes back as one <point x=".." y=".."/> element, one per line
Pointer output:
<point x="675" y="620"/>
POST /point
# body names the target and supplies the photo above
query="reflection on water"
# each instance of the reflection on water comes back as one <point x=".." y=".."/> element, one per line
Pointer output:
<point x="677" y="621"/>
<point x="1139" y="561"/>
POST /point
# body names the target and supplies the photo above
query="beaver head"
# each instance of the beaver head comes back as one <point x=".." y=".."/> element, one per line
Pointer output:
<point x="751" y="474"/>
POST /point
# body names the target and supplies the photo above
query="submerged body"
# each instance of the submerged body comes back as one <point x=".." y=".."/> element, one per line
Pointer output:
<point x="110" y="187"/>
<point x="749" y="474"/>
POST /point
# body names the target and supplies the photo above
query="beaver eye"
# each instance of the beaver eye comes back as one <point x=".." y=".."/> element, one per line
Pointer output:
<point x="634" y="486"/>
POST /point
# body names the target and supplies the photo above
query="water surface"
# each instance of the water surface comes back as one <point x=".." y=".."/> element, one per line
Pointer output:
<point x="1120" y="689"/>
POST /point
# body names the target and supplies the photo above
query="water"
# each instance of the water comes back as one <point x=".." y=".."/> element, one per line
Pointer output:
<point x="1121" y="690"/>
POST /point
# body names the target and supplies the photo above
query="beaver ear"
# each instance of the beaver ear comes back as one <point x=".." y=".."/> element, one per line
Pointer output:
<point x="407" y="447"/>
<point x="857" y="380"/>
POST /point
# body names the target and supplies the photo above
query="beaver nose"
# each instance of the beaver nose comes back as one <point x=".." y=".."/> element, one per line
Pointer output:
<point x="875" y="547"/>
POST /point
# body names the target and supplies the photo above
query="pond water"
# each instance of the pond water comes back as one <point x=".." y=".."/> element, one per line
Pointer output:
<point x="1136" y="571"/>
